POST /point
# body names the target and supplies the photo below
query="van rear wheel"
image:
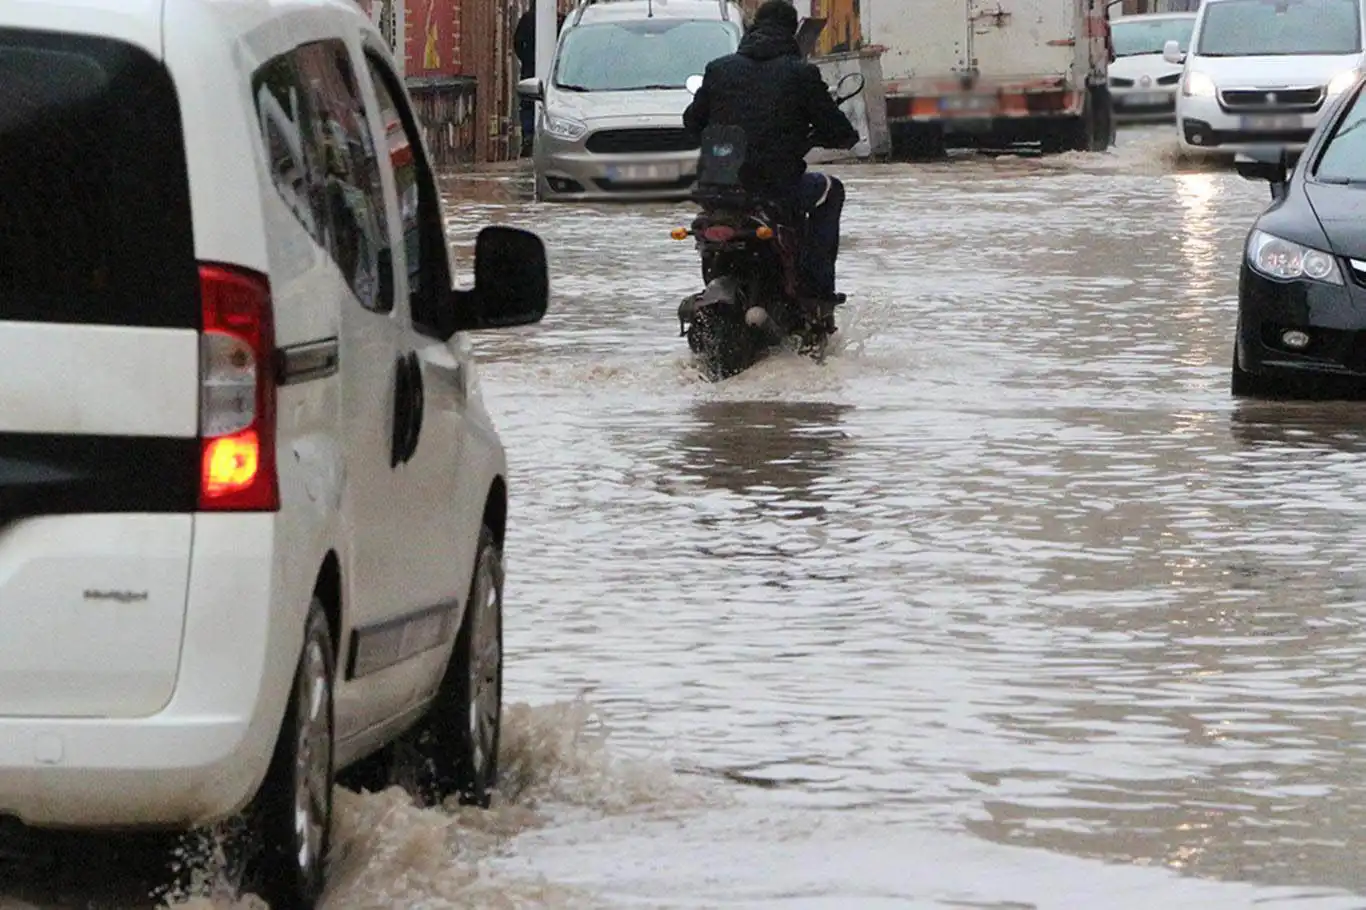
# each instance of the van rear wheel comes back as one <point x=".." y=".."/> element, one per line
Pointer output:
<point x="292" y="812"/>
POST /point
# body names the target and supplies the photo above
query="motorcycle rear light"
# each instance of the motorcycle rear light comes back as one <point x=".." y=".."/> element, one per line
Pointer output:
<point x="237" y="392"/>
<point x="719" y="233"/>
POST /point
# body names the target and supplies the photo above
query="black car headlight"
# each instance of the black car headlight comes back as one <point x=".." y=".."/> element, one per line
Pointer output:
<point x="1276" y="257"/>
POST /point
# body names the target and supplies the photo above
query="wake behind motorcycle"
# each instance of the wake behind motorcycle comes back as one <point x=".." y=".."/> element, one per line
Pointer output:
<point x="752" y="301"/>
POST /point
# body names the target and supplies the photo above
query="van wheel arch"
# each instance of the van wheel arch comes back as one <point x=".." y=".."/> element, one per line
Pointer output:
<point x="328" y="589"/>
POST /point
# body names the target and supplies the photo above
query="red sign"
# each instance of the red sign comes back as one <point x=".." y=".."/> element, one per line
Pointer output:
<point x="433" y="39"/>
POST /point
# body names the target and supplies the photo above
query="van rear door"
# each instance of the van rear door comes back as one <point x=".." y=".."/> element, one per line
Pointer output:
<point x="99" y="362"/>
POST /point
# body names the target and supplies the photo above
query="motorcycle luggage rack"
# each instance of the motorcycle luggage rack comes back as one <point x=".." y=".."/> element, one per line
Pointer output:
<point x="720" y="157"/>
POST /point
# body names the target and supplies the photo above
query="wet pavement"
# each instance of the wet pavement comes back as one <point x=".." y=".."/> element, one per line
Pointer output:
<point x="1007" y="605"/>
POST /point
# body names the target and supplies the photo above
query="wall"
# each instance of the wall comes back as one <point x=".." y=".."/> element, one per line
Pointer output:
<point x="432" y="44"/>
<point x="867" y="110"/>
<point x="843" y="31"/>
<point x="1134" y="7"/>
<point x="389" y="15"/>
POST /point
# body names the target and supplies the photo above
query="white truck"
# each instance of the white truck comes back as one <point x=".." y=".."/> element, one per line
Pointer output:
<point x="992" y="74"/>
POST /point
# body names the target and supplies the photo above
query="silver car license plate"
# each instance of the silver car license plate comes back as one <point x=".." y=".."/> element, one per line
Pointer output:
<point x="643" y="173"/>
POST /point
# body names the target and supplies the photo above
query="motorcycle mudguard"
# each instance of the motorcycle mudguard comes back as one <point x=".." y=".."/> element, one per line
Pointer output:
<point x="721" y="290"/>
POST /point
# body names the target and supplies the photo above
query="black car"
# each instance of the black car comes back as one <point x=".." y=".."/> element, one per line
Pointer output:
<point x="1302" y="287"/>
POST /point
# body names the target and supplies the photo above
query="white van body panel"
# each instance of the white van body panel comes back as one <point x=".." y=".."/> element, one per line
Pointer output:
<point x="147" y="657"/>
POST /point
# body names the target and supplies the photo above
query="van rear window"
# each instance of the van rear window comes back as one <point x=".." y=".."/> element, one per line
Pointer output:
<point x="95" y="223"/>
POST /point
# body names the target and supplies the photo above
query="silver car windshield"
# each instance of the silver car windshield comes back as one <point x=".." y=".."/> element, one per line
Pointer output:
<point x="641" y="54"/>
<point x="1255" y="28"/>
<point x="1150" y="36"/>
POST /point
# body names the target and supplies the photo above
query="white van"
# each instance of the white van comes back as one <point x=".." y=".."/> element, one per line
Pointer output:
<point x="251" y="504"/>
<point x="1262" y="72"/>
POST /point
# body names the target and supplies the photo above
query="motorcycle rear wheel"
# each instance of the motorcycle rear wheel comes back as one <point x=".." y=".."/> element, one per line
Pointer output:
<point x="723" y="347"/>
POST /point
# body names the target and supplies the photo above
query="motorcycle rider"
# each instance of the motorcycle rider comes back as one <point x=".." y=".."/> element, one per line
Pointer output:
<point x="781" y="102"/>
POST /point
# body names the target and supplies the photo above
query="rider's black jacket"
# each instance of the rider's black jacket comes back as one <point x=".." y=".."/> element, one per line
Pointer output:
<point x="779" y="100"/>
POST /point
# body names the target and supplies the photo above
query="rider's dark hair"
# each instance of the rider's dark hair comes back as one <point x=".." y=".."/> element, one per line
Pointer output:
<point x="777" y="14"/>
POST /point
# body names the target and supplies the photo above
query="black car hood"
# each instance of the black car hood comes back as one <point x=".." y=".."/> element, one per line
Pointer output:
<point x="1341" y="211"/>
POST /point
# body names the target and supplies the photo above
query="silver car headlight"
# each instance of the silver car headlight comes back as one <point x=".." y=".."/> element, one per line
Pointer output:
<point x="1342" y="82"/>
<point x="565" y="127"/>
<point x="1277" y="257"/>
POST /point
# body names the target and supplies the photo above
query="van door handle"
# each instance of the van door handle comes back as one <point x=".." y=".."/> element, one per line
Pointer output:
<point x="403" y="405"/>
<point x="418" y="404"/>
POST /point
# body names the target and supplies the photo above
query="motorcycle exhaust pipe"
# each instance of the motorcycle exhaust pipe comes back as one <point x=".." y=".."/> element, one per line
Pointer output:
<point x="756" y="317"/>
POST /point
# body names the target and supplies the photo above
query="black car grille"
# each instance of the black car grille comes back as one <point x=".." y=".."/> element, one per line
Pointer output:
<point x="1139" y="110"/>
<point x="654" y="186"/>
<point x="1272" y="99"/>
<point x="1169" y="80"/>
<point x="641" y="139"/>
<point x="1121" y="82"/>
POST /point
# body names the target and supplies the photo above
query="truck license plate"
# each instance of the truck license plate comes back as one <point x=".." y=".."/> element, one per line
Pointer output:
<point x="643" y="173"/>
<point x="1273" y="122"/>
<point x="967" y="104"/>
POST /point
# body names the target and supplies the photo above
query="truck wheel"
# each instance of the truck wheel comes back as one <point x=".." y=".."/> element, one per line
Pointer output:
<point x="292" y="812"/>
<point x="1103" y="116"/>
<point x="1083" y="133"/>
<point x="456" y="743"/>
<point x="918" y="142"/>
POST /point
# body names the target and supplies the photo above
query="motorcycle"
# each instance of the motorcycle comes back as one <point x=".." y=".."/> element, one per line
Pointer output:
<point x="752" y="301"/>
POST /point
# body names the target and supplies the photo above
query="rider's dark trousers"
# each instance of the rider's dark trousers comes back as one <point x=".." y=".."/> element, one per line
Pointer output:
<point x="822" y="244"/>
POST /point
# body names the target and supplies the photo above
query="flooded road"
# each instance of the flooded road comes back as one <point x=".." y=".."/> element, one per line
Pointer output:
<point x="1007" y="605"/>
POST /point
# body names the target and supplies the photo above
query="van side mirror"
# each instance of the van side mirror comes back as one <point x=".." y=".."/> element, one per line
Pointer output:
<point x="531" y="89"/>
<point x="1269" y="164"/>
<point x="511" y="282"/>
<point x="1171" y="52"/>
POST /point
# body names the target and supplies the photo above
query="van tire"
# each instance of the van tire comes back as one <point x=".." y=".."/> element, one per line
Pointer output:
<point x="456" y="742"/>
<point x="286" y="876"/>
<point x="918" y="142"/>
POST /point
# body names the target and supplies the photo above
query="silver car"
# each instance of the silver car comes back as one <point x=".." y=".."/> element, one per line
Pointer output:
<point x="1142" y="85"/>
<point x="610" y="121"/>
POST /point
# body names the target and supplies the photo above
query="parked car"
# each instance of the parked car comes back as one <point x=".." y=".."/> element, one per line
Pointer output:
<point x="252" y="508"/>
<point x="1263" y="71"/>
<point x="1142" y="81"/>
<point x="1302" y="285"/>
<point x="610" y="121"/>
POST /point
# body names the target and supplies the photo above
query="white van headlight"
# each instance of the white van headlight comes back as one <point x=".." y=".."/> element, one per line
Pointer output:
<point x="1198" y="85"/>
<point x="1342" y="82"/>
<point x="565" y="127"/>
<point x="1277" y="257"/>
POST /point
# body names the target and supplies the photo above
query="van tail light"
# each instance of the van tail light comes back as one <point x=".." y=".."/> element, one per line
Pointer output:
<point x="237" y="470"/>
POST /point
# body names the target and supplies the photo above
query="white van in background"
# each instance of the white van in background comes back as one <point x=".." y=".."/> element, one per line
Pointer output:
<point x="1262" y="72"/>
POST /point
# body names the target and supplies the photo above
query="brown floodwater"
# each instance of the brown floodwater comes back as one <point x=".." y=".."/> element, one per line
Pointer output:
<point x="1006" y="605"/>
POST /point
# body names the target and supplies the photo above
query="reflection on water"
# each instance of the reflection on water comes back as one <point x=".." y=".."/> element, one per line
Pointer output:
<point x="1323" y="428"/>
<point x="776" y="453"/>
<point x="1206" y="261"/>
